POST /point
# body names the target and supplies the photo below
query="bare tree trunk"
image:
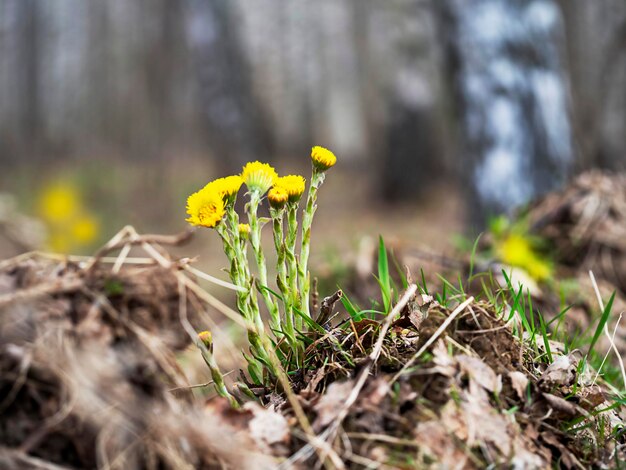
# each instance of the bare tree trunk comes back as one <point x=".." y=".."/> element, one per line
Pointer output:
<point x="231" y="116"/>
<point x="597" y="57"/>
<point x="410" y="151"/>
<point x="504" y="60"/>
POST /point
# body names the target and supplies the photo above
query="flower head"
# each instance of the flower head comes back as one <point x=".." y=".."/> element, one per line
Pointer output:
<point x="293" y="185"/>
<point x="228" y="187"/>
<point x="206" y="338"/>
<point x="59" y="203"/>
<point x="278" y="197"/>
<point x="258" y="176"/>
<point x="85" y="229"/>
<point x="322" y="158"/>
<point x="244" y="230"/>
<point x="205" y="207"/>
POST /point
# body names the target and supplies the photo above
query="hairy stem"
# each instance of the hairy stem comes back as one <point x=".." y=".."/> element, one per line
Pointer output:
<point x="307" y="220"/>
<point x="255" y="241"/>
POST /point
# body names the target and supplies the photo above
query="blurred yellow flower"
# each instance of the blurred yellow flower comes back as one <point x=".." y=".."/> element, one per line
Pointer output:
<point x="244" y="230"/>
<point x="59" y="242"/>
<point x="259" y="176"/>
<point x="205" y="208"/>
<point x="293" y="184"/>
<point x="59" y="203"/>
<point x="516" y="250"/>
<point x="322" y="158"/>
<point x="84" y="229"/>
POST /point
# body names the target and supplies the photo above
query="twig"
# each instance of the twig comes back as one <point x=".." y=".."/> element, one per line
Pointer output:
<point x="214" y="280"/>
<point x="118" y="241"/>
<point x="432" y="339"/>
<point x="56" y="287"/>
<point x="326" y="309"/>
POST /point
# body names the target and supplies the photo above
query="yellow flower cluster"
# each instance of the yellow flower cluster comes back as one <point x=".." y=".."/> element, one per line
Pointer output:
<point x="70" y="224"/>
<point x="214" y="207"/>
<point x="516" y="250"/>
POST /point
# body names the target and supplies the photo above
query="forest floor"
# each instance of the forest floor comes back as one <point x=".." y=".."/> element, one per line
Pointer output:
<point x="470" y="369"/>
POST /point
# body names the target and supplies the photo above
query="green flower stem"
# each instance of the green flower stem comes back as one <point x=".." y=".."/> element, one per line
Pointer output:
<point x="292" y="262"/>
<point x="281" y="278"/>
<point x="246" y="300"/>
<point x="237" y="272"/>
<point x="307" y="220"/>
<point x="255" y="240"/>
<point x="216" y="375"/>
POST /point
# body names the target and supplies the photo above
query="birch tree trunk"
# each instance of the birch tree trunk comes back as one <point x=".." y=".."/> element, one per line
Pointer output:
<point x="510" y="89"/>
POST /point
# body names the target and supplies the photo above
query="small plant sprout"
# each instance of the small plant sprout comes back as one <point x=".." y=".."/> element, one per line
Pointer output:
<point x="205" y="343"/>
<point x="214" y="207"/>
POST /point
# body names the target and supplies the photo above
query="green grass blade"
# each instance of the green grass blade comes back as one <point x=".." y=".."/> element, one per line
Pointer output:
<point x="383" y="274"/>
<point x="353" y="310"/>
<point x="603" y="319"/>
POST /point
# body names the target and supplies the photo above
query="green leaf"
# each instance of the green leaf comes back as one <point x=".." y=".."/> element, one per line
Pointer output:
<point x="473" y="256"/>
<point x="352" y="309"/>
<point x="310" y="322"/>
<point x="603" y="319"/>
<point x="262" y="287"/>
<point x="383" y="274"/>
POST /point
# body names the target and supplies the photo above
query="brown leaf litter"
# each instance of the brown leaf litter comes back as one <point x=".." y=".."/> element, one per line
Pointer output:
<point x="88" y="372"/>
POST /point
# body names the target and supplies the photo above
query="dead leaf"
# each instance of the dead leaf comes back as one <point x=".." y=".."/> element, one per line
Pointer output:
<point x="519" y="382"/>
<point x="562" y="371"/>
<point x="444" y="363"/>
<point x="564" y="406"/>
<point x="331" y="403"/>
<point x="375" y="392"/>
<point x="436" y="441"/>
<point x="267" y="427"/>
<point x="479" y="372"/>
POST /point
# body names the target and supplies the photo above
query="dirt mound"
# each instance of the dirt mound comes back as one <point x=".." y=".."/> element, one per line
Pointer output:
<point x="89" y="378"/>
<point x="586" y="224"/>
<point x="456" y="388"/>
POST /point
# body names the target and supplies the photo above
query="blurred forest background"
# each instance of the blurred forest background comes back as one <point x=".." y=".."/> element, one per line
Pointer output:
<point x="447" y="111"/>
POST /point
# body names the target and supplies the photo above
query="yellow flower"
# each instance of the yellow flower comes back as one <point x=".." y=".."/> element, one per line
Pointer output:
<point x="516" y="250"/>
<point x="207" y="338"/>
<point x="293" y="185"/>
<point x="244" y="230"/>
<point x="322" y="158"/>
<point x="258" y="176"/>
<point x="228" y="187"/>
<point x="85" y="229"/>
<point x="59" y="203"/>
<point x="59" y="242"/>
<point x="278" y="197"/>
<point x="205" y="208"/>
